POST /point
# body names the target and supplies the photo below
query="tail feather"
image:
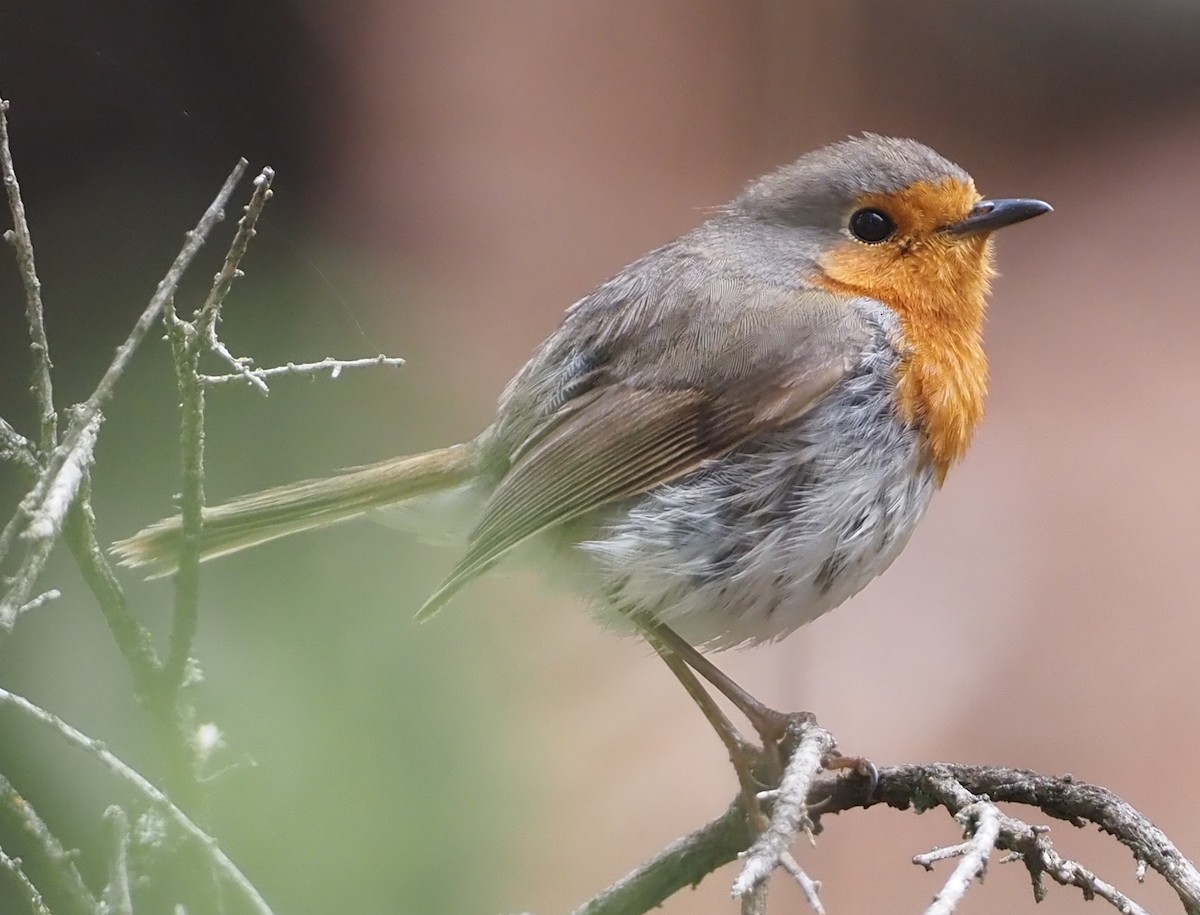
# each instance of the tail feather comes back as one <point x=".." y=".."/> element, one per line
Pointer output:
<point x="273" y="513"/>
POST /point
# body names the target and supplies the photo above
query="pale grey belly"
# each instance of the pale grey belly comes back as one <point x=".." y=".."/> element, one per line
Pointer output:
<point x="760" y="542"/>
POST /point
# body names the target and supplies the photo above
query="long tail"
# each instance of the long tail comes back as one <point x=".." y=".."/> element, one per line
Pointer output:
<point x="284" y="510"/>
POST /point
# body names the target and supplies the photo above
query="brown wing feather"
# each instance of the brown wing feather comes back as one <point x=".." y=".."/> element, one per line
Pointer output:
<point x="626" y="441"/>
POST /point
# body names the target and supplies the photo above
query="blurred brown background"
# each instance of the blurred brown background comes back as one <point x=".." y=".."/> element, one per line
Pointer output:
<point x="451" y="177"/>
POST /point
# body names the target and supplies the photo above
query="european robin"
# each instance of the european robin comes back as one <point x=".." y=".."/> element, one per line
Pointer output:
<point x="733" y="434"/>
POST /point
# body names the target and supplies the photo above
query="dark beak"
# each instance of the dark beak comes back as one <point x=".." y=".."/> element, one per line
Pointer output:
<point x="989" y="215"/>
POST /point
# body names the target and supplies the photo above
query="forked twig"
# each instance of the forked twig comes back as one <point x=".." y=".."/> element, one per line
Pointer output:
<point x="96" y="749"/>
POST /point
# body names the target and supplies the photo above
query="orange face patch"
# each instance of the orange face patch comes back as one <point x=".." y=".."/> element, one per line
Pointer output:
<point x="937" y="284"/>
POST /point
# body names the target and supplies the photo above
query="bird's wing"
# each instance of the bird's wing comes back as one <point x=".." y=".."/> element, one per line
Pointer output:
<point x="722" y="369"/>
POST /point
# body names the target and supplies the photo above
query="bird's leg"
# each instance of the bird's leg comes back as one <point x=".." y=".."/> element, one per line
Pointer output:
<point x="744" y="755"/>
<point x="771" y="725"/>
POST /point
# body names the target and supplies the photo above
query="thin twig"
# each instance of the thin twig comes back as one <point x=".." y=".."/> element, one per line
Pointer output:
<point x="1063" y="798"/>
<point x="32" y="897"/>
<point x="80" y="434"/>
<point x="165" y="291"/>
<point x="333" y="366"/>
<point x="209" y="313"/>
<point x="755" y="902"/>
<point x="188" y="342"/>
<point x="96" y="749"/>
<point x="134" y="641"/>
<point x="17" y="448"/>
<point x="984" y="817"/>
<point x="43" y="521"/>
<point x="185" y="618"/>
<point x="808" y="886"/>
<point x="117" y="897"/>
<point x="44" y="598"/>
<point x="1071" y="873"/>
<point x="685" y="862"/>
<point x="43" y="390"/>
<point x="61" y="862"/>
<point x="788" y="810"/>
<point x="242" y="368"/>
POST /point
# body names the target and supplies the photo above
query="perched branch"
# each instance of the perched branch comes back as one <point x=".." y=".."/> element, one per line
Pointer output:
<point x="43" y="389"/>
<point x="788" y="810"/>
<point x="205" y="843"/>
<point x="956" y="788"/>
<point x="685" y="862"/>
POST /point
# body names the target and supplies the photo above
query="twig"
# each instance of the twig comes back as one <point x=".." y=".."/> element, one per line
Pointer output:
<point x="185" y="618"/>
<point x="45" y="523"/>
<point x="984" y="818"/>
<point x="808" y="886"/>
<point x="243" y="368"/>
<point x="188" y="342"/>
<point x="17" y="448"/>
<point x="117" y="898"/>
<point x="62" y="863"/>
<point x="44" y="598"/>
<point x="44" y="520"/>
<point x="955" y="787"/>
<point x="134" y="641"/>
<point x="95" y="748"/>
<point x="788" y="811"/>
<point x="80" y="434"/>
<point x="43" y="390"/>
<point x="207" y="315"/>
<point x="334" y="366"/>
<point x="165" y="291"/>
<point x="1070" y="873"/>
<point x="755" y="902"/>
<point x="685" y="862"/>
<point x="32" y="897"/>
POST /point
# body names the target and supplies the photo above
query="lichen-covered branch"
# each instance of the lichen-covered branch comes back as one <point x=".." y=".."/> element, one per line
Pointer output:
<point x="201" y="840"/>
<point x="16" y="809"/>
<point x="960" y="790"/>
<point x="789" y="815"/>
<point x="43" y="388"/>
<point x="684" y="862"/>
<point x="334" y="367"/>
<point x="45" y="505"/>
<point x="190" y="340"/>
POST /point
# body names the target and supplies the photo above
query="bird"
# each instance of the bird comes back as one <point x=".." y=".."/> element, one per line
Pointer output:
<point x="733" y="434"/>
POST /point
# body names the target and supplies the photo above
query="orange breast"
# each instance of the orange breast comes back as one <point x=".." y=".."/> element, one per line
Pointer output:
<point x="937" y="284"/>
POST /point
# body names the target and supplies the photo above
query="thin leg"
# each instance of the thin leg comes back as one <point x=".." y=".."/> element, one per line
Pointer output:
<point x="770" y="724"/>
<point x="743" y="754"/>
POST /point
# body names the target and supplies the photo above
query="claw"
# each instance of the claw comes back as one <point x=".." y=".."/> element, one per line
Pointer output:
<point x="859" y="764"/>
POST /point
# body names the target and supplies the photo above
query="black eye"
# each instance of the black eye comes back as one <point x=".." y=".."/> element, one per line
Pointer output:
<point x="871" y="225"/>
